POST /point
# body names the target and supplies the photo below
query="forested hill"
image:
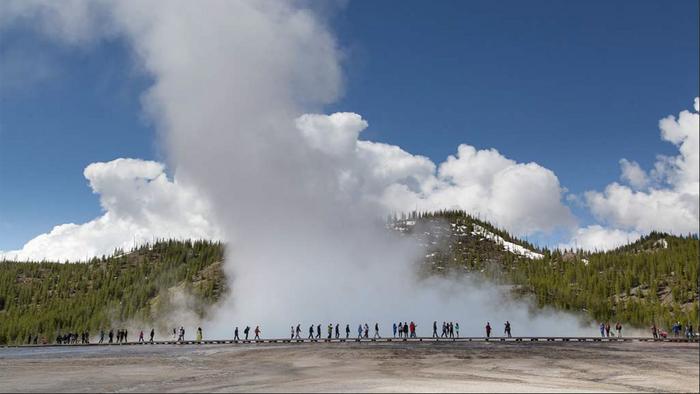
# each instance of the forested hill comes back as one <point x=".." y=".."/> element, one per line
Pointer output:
<point x="47" y="298"/>
<point x="652" y="280"/>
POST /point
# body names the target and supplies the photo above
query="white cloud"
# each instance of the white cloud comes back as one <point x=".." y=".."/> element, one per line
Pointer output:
<point x="227" y="126"/>
<point x="633" y="174"/>
<point x="523" y="197"/>
<point x="596" y="237"/>
<point x="336" y="134"/>
<point x="658" y="209"/>
<point x="671" y="202"/>
<point x="140" y="205"/>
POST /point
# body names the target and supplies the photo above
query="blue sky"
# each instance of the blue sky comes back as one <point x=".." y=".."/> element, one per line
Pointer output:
<point x="573" y="86"/>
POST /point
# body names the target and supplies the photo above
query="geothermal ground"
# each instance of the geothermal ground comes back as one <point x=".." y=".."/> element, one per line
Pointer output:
<point x="352" y="367"/>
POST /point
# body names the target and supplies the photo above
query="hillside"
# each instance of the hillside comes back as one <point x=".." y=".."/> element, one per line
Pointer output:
<point x="48" y="298"/>
<point x="653" y="279"/>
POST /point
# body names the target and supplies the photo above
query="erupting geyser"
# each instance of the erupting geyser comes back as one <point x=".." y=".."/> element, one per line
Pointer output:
<point x="236" y="85"/>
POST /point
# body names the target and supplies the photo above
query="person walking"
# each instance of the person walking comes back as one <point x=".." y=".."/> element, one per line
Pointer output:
<point x="488" y="330"/>
<point x="607" y="329"/>
<point x="153" y="333"/>
<point x="257" y="332"/>
<point x="235" y="334"/>
<point x="311" y="331"/>
<point x="246" y="331"/>
<point x="102" y="336"/>
<point x="618" y="328"/>
<point x="400" y="328"/>
<point x="366" y="331"/>
<point x="298" y="331"/>
<point x="689" y="334"/>
<point x="199" y="334"/>
<point x="359" y="331"/>
<point x="111" y="335"/>
<point x="435" y="335"/>
<point x="330" y="331"/>
<point x="507" y="329"/>
<point x="654" y="331"/>
<point x="376" y="330"/>
<point x="347" y="331"/>
<point x="451" y="329"/>
<point x="394" y="329"/>
<point x="457" y="329"/>
<point x="337" y="330"/>
<point x="141" y="336"/>
<point x="318" y="332"/>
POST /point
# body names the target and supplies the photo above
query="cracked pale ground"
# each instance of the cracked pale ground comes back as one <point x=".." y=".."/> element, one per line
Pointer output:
<point x="533" y="367"/>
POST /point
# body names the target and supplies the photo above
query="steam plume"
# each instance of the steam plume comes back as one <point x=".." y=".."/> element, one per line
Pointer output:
<point x="231" y="82"/>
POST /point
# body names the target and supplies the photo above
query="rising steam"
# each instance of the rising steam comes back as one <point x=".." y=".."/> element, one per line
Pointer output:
<point x="304" y="246"/>
<point x="231" y="83"/>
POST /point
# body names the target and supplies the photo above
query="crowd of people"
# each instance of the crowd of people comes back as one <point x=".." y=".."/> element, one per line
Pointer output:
<point x="605" y="329"/>
<point x="399" y="330"/>
<point x="71" y="338"/>
<point x="448" y="330"/>
<point x="677" y="329"/>
<point x="246" y="333"/>
<point x="403" y="330"/>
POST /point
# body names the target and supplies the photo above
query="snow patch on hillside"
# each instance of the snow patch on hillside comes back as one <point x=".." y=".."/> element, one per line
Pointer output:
<point x="661" y="243"/>
<point x="509" y="246"/>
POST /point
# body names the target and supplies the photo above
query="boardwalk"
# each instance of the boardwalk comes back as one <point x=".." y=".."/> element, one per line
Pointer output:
<point x="384" y="340"/>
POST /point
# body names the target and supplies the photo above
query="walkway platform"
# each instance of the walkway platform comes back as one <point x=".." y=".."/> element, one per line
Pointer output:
<point x="383" y="340"/>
